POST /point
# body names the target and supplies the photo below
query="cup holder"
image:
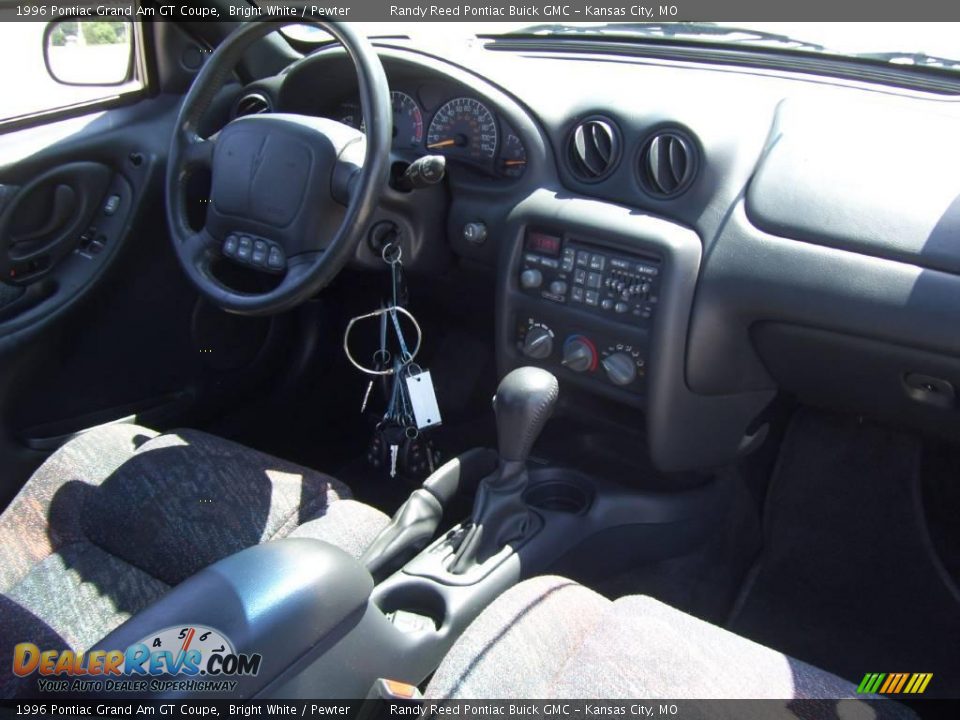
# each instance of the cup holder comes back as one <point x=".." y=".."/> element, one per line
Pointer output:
<point x="412" y="604"/>
<point x="558" y="495"/>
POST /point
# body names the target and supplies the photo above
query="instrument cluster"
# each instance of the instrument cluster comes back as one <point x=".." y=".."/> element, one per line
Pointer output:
<point x="461" y="128"/>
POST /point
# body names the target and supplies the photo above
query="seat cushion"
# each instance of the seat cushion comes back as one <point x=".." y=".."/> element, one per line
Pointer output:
<point x="552" y="638"/>
<point x="120" y="514"/>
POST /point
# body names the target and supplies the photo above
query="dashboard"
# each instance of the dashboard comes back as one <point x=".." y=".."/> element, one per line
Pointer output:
<point x="682" y="238"/>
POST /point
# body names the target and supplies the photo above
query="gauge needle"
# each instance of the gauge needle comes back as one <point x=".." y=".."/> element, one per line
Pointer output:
<point x="514" y="162"/>
<point x="442" y="143"/>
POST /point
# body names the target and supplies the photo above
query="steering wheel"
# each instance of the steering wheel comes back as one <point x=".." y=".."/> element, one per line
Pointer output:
<point x="291" y="195"/>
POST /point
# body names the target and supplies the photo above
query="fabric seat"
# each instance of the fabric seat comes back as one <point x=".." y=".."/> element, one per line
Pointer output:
<point x="552" y="638"/>
<point x="120" y="514"/>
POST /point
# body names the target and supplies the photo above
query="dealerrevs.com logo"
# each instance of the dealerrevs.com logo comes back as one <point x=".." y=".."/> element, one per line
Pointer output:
<point x="192" y="659"/>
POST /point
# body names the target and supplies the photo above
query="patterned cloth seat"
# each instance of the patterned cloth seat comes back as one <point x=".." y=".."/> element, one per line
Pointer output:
<point x="120" y="514"/>
<point x="550" y="637"/>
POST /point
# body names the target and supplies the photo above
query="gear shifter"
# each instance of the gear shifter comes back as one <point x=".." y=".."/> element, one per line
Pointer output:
<point x="524" y="402"/>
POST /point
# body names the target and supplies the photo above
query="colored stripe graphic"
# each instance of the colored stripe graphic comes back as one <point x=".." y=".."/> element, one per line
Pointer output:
<point x="870" y="683"/>
<point x="894" y="683"/>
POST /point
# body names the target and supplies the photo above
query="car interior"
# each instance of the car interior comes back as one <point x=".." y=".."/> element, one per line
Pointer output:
<point x="515" y="365"/>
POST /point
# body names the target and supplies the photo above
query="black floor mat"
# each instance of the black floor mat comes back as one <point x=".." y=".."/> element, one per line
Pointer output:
<point x="847" y="580"/>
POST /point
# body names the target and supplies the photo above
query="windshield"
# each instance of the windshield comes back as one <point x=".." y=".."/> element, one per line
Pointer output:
<point x="924" y="44"/>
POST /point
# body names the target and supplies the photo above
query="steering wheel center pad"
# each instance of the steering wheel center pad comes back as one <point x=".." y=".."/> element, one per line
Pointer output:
<point x="273" y="177"/>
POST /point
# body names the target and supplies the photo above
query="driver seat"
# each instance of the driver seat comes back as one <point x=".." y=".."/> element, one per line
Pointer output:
<point x="120" y="514"/>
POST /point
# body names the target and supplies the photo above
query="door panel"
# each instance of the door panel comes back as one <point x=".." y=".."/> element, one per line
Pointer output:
<point x="97" y="319"/>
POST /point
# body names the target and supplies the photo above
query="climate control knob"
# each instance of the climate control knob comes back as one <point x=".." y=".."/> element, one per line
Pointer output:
<point x="620" y="368"/>
<point x="579" y="354"/>
<point x="538" y="343"/>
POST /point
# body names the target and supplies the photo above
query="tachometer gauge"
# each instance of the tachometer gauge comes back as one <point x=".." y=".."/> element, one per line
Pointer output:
<point x="464" y="127"/>
<point x="513" y="157"/>
<point x="349" y="113"/>
<point x="407" y="120"/>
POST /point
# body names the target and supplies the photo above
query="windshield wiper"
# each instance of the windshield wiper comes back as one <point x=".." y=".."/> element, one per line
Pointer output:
<point x="667" y="31"/>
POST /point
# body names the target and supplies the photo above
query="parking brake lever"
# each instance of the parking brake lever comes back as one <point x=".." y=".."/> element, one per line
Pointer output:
<point x="414" y="524"/>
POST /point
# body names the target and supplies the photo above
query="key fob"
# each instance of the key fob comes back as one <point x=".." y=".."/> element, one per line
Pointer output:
<point x="418" y="458"/>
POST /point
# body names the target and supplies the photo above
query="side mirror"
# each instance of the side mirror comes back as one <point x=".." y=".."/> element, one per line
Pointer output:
<point x="88" y="52"/>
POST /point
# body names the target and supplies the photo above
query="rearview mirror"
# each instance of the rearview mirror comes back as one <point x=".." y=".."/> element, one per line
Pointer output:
<point x="87" y="52"/>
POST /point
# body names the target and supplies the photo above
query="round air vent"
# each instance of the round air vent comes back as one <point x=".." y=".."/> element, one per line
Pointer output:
<point x="253" y="104"/>
<point x="593" y="149"/>
<point x="668" y="163"/>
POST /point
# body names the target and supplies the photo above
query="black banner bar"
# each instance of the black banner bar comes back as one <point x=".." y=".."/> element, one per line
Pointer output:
<point x="562" y="11"/>
<point x="476" y="709"/>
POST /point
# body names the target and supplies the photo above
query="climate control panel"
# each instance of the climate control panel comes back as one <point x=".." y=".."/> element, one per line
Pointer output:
<point x="597" y="355"/>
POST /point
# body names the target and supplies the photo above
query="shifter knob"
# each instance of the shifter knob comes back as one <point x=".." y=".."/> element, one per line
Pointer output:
<point x="524" y="402"/>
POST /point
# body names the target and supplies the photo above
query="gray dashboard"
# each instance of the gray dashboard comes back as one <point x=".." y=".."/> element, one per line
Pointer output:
<point x="816" y="251"/>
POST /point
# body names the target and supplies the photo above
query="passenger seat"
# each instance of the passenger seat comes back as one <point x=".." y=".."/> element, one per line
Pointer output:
<point x="550" y="637"/>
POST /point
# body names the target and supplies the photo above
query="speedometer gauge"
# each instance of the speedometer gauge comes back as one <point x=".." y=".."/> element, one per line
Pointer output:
<point x="464" y="127"/>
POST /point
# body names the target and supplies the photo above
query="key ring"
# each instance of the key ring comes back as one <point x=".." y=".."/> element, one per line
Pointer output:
<point x="375" y="314"/>
<point x="387" y="254"/>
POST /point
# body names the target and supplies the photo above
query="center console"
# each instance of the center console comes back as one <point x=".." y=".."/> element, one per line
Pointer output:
<point x="585" y="309"/>
<point x="307" y="620"/>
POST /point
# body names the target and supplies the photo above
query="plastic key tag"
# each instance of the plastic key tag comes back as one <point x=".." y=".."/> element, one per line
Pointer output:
<point x="423" y="400"/>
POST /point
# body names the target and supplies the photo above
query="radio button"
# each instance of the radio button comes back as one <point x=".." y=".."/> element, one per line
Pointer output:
<point x="531" y="279"/>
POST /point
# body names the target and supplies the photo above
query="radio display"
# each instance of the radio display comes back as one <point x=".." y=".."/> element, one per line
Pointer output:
<point x="542" y="242"/>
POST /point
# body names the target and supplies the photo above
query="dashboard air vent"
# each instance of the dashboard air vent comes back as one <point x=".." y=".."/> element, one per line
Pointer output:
<point x="668" y="163"/>
<point x="593" y="149"/>
<point x="253" y="104"/>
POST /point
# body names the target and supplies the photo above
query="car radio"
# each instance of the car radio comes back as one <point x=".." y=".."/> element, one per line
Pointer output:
<point x="621" y="286"/>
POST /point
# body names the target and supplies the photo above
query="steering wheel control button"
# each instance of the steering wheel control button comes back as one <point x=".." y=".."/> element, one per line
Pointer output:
<point x="256" y="252"/>
<point x="259" y="252"/>
<point x="245" y="248"/>
<point x="275" y="259"/>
